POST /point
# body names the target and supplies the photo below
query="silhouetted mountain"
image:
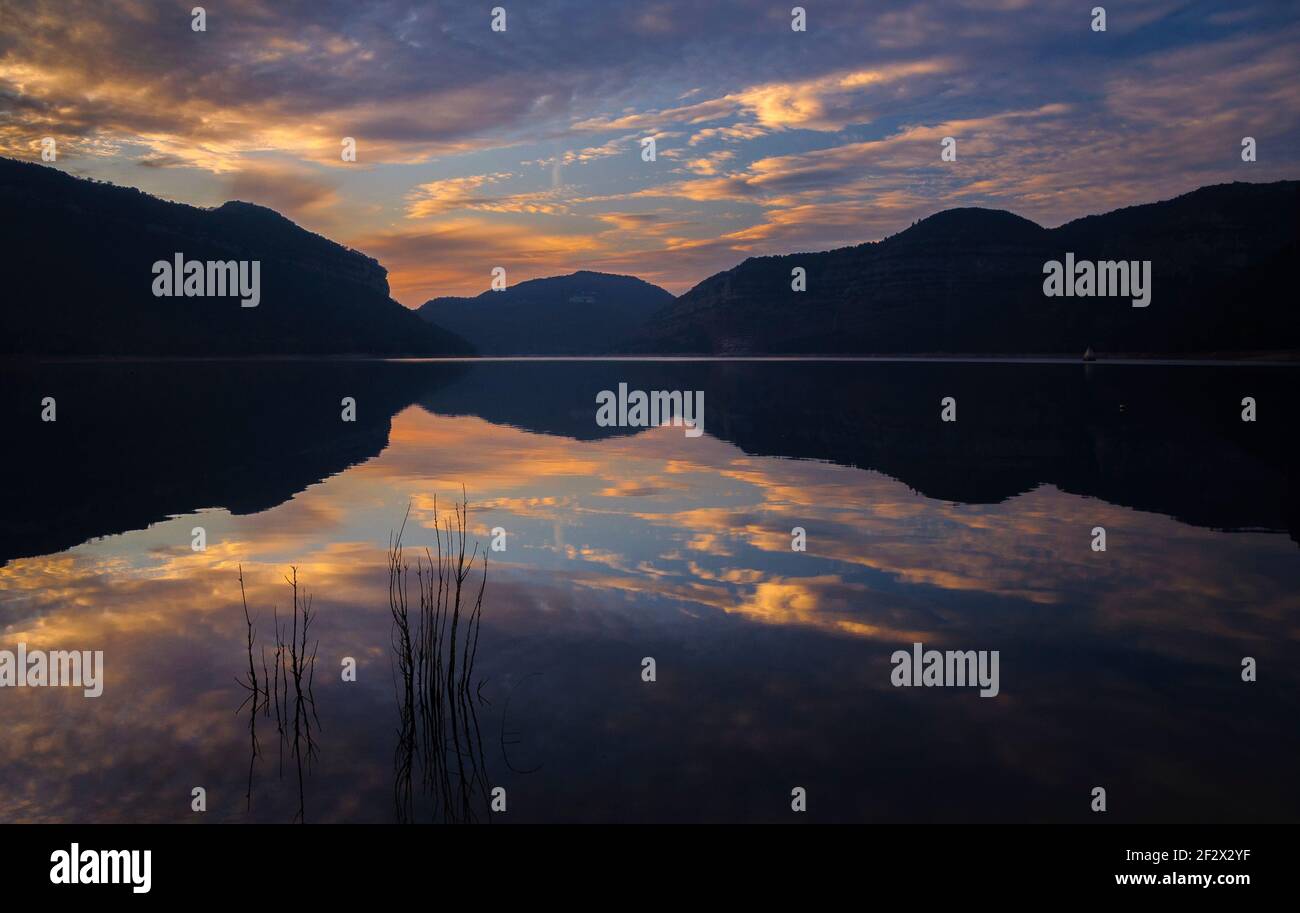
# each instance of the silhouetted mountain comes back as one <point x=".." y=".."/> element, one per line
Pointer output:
<point x="971" y="281"/>
<point x="78" y="264"/>
<point x="583" y="313"/>
<point x="140" y="435"/>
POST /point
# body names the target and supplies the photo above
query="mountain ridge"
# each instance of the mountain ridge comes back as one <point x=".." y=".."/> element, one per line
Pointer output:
<point x="79" y="254"/>
<point x="965" y="280"/>
<point x="580" y="313"/>
<point x="969" y="280"/>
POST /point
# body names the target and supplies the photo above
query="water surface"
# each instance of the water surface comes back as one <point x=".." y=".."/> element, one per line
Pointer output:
<point x="1119" y="669"/>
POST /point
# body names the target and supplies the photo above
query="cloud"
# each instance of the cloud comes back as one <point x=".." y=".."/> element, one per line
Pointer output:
<point x="710" y="164"/>
<point x="284" y="188"/>
<point x="617" y="146"/>
<point x="457" y="255"/>
<point x="770" y="140"/>
<point x="450" y="194"/>
<point x="827" y="103"/>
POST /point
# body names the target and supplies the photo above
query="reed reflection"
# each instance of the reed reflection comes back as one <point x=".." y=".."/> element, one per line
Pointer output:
<point x="435" y="644"/>
<point x="291" y="667"/>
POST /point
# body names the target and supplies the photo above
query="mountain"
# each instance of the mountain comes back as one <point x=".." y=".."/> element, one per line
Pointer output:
<point x="971" y="281"/>
<point x="78" y="258"/>
<point x="584" y="313"/>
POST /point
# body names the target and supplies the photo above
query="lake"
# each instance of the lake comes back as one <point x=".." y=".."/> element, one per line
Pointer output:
<point x="1120" y="669"/>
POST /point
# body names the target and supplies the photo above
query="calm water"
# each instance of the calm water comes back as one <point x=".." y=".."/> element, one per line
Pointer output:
<point x="1119" y="669"/>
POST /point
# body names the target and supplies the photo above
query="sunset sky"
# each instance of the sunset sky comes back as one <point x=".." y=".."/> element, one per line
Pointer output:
<point x="522" y="149"/>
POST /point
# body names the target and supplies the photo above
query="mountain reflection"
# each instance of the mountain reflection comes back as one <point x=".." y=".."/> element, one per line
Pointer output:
<point x="138" y="442"/>
<point x="773" y="664"/>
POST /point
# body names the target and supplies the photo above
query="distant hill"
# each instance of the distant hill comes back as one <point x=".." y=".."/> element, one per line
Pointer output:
<point x="77" y="257"/>
<point x="583" y="313"/>
<point x="971" y="281"/>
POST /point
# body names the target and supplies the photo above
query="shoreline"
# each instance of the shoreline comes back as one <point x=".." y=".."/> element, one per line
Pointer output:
<point x="1267" y="359"/>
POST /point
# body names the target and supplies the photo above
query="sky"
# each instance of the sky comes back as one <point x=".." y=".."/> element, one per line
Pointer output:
<point x="523" y="149"/>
